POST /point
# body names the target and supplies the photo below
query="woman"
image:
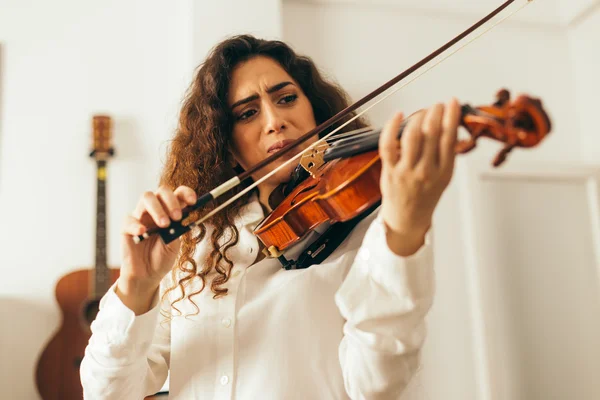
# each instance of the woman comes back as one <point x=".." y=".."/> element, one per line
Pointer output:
<point x="237" y="324"/>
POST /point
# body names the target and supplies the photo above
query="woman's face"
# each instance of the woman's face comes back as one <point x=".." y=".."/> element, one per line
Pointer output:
<point x="269" y="110"/>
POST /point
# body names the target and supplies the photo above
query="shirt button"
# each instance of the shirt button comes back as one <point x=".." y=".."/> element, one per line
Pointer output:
<point x="224" y="380"/>
<point x="226" y="322"/>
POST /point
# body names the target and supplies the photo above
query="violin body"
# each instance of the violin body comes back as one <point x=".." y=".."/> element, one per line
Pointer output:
<point x="340" y="190"/>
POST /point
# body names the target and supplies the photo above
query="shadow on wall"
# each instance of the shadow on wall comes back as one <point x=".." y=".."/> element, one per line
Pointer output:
<point x="26" y="328"/>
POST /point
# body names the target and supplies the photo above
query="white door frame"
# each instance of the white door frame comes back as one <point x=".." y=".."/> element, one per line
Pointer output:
<point x="471" y="173"/>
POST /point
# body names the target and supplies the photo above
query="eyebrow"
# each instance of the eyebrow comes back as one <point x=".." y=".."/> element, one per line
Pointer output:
<point x="272" y="89"/>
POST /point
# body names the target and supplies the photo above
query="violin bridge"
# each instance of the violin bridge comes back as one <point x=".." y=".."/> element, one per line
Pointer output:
<point x="312" y="160"/>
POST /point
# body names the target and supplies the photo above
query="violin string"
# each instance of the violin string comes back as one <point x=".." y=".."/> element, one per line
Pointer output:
<point x="358" y="115"/>
<point x="345" y="135"/>
<point x="356" y="135"/>
<point x="355" y="132"/>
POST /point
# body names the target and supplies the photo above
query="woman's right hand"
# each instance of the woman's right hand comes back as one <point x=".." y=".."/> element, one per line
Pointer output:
<point x="145" y="264"/>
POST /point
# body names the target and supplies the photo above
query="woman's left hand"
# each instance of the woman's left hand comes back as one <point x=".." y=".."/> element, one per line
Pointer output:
<point x="415" y="172"/>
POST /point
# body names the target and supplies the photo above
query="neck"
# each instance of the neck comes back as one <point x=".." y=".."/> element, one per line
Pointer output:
<point x="264" y="191"/>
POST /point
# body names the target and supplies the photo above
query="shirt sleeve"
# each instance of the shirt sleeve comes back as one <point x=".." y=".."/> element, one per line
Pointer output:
<point x="127" y="356"/>
<point x="384" y="300"/>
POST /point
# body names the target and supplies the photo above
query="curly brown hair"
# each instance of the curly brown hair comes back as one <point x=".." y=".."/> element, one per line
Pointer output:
<point x="199" y="155"/>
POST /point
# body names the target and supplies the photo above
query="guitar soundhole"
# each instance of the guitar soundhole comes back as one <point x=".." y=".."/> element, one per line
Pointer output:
<point x="90" y="311"/>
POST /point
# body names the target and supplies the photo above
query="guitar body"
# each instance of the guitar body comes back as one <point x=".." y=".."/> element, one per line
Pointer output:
<point x="57" y="374"/>
<point x="78" y="293"/>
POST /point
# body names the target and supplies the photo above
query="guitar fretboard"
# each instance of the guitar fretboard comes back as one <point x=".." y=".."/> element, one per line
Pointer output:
<point x="102" y="273"/>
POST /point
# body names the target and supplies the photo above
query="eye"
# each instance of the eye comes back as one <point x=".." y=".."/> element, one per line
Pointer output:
<point x="290" y="98"/>
<point x="245" y="115"/>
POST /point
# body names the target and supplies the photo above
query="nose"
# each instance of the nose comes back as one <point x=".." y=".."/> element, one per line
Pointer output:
<point x="274" y="121"/>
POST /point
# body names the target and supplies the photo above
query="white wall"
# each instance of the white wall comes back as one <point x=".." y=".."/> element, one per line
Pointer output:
<point x="342" y="39"/>
<point x="364" y="44"/>
<point x="584" y="41"/>
<point x="214" y="20"/>
<point x="62" y="62"/>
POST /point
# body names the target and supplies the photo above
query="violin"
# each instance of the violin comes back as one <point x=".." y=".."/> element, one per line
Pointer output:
<point x="344" y="177"/>
<point x="338" y="181"/>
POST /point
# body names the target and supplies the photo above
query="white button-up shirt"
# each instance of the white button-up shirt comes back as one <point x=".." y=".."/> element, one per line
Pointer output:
<point x="351" y="327"/>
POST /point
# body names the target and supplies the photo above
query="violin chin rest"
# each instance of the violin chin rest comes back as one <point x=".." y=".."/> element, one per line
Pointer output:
<point x="283" y="190"/>
<point x="277" y="196"/>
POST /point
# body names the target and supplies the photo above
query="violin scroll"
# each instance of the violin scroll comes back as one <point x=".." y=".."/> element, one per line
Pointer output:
<point x="519" y="123"/>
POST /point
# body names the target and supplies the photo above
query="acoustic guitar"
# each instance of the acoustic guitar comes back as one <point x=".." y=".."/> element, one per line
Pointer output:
<point x="78" y="293"/>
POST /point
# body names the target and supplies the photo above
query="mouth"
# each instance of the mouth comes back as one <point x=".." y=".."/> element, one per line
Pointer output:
<point x="279" y="145"/>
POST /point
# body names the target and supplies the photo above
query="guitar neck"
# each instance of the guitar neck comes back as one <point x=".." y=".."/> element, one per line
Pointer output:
<point x="102" y="273"/>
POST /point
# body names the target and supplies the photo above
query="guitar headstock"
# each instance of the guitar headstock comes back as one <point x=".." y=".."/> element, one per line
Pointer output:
<point x="102" y="137"/>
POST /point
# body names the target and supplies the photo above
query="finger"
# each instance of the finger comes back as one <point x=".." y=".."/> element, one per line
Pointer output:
<point x="170" y="202"/>
<point x="186" y="196"/>
<point x="133" y="227"/>
<point x="388" y="141"/>
<point x="154" y="208"/>
<point x="140" y="207"/>
<point x="431" y="128"/>
<point x="412" y="141"/>
<point x="449" y="134"/>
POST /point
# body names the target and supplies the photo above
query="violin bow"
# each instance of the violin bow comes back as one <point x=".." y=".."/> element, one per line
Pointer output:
<point x="176" y="228"/>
